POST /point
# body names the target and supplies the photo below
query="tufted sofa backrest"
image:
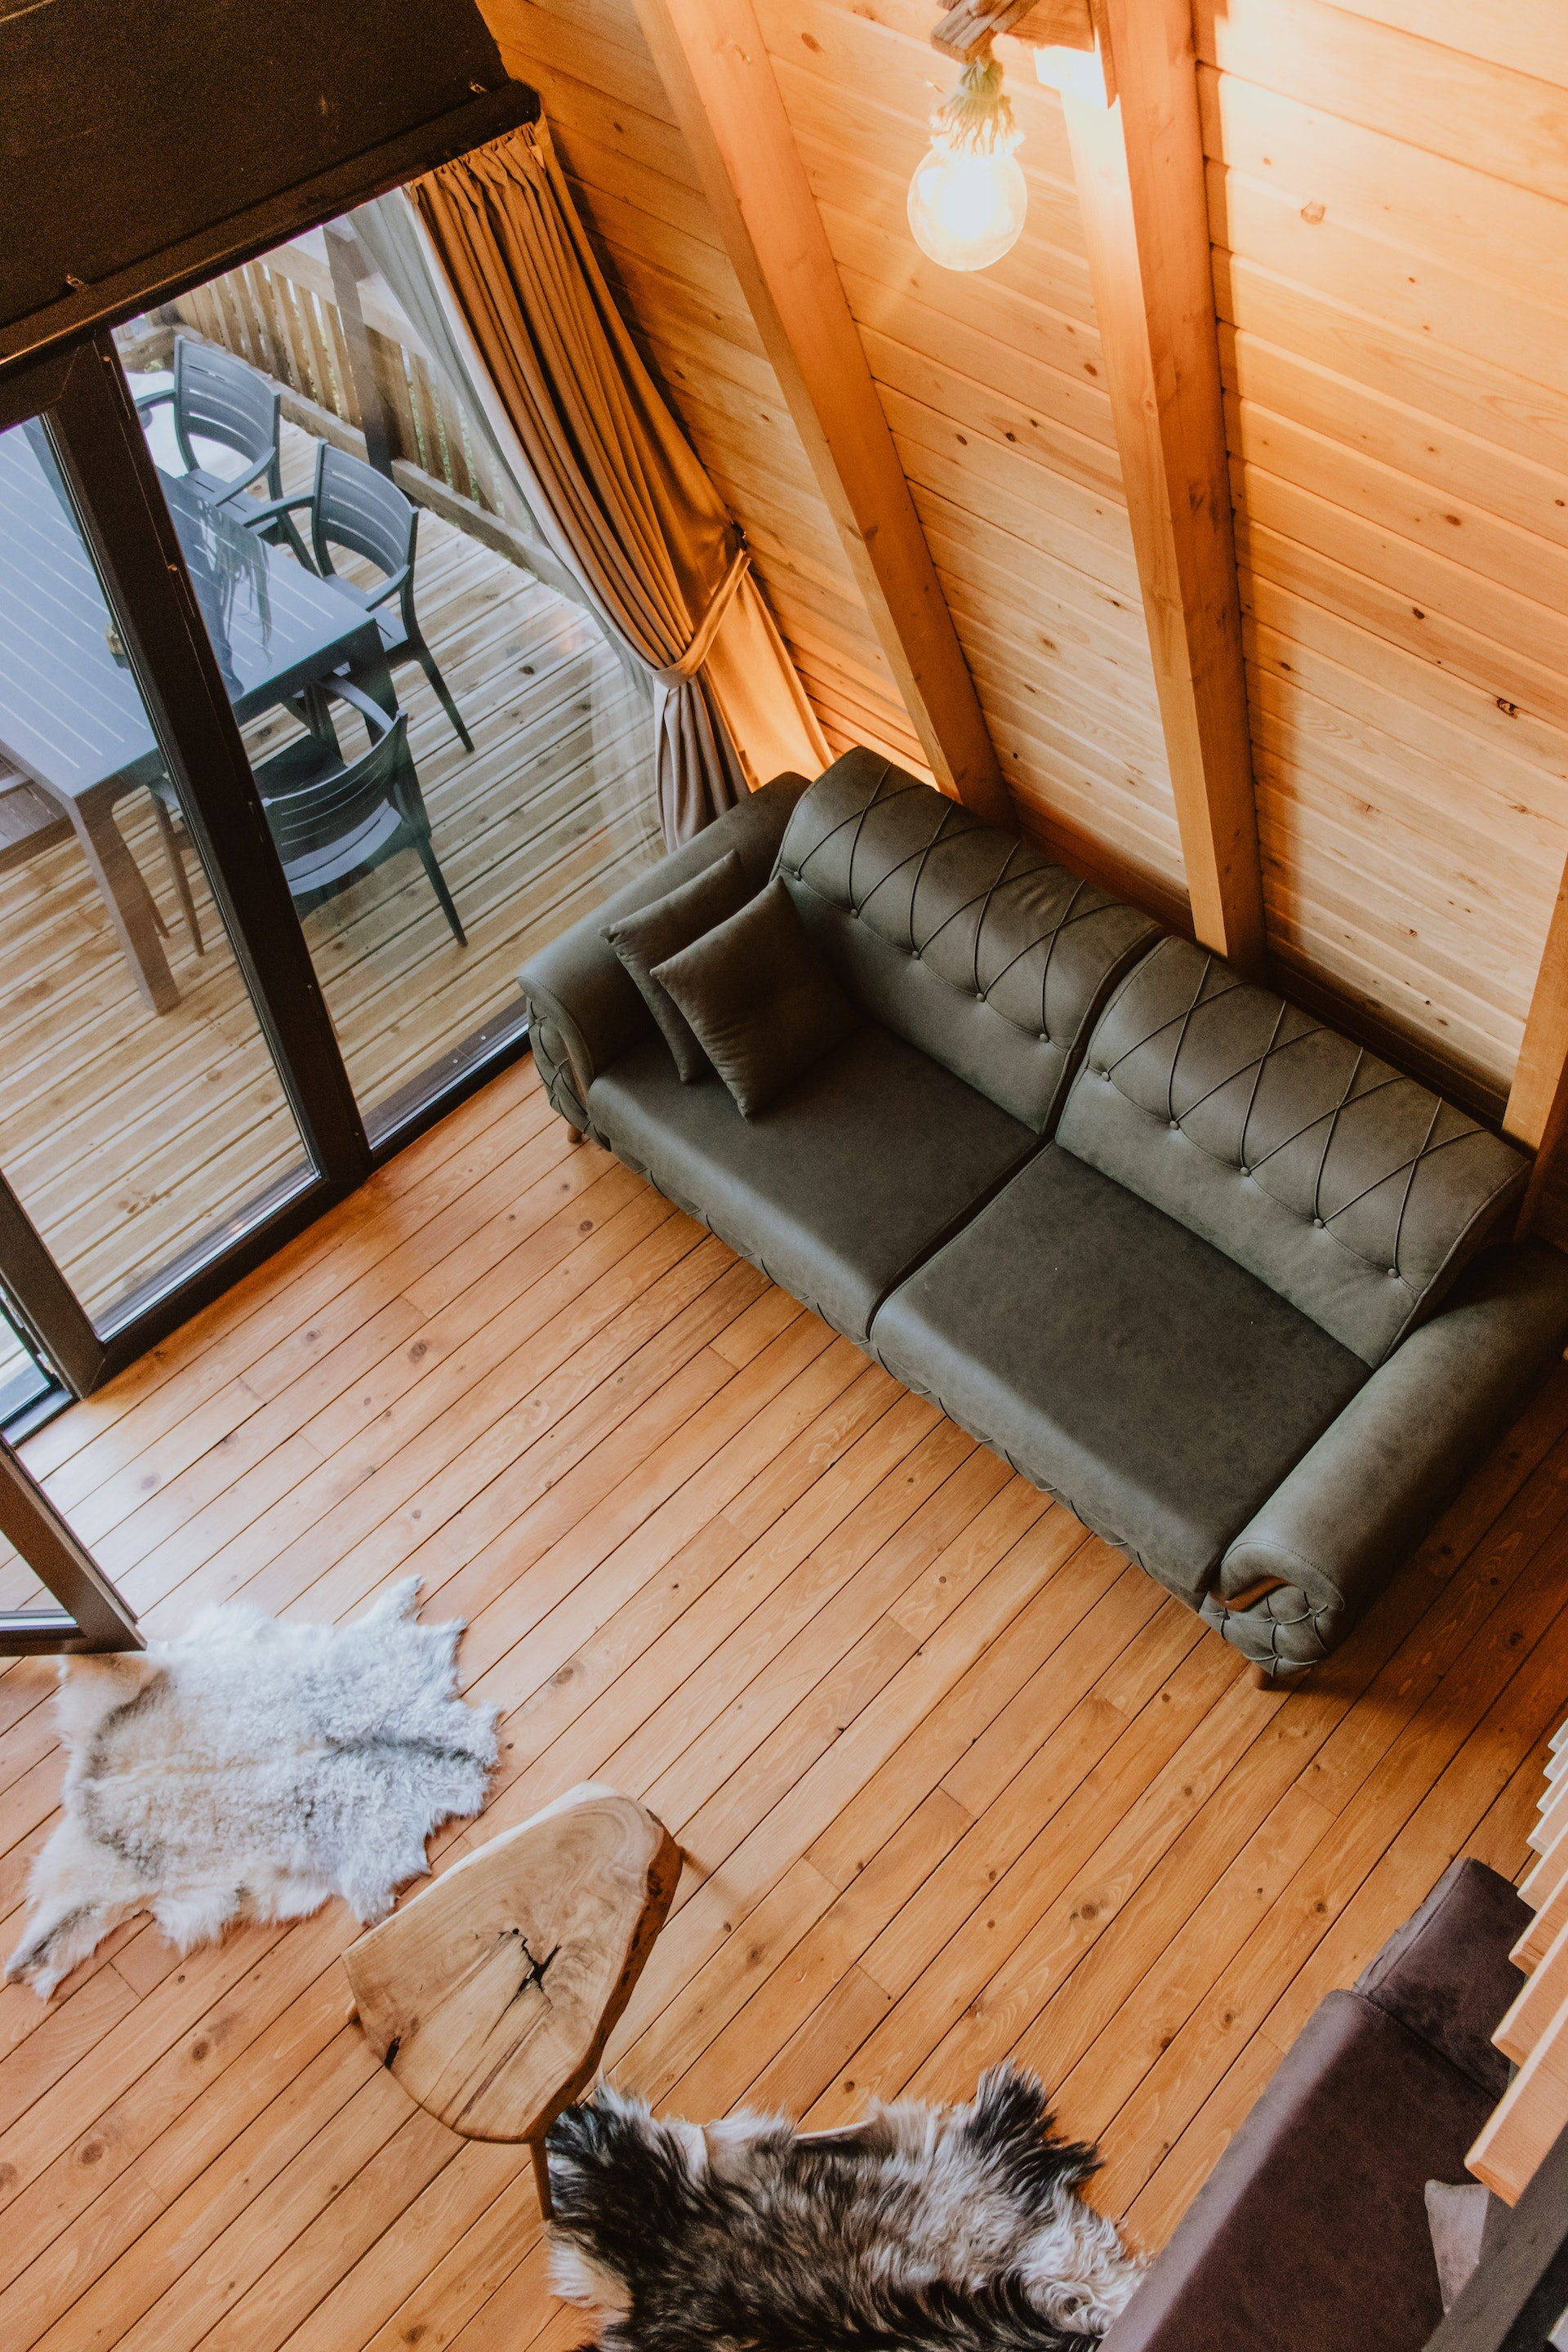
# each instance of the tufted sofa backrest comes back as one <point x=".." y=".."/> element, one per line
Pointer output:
<point x="1350" y="1190"/>
<point x="969" y="944"/>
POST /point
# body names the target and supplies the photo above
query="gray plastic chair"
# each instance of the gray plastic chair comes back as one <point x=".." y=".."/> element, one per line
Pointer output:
<point x="335" y="819"/>
<point x="216" y="397"/>
<point x="354" y="507"/>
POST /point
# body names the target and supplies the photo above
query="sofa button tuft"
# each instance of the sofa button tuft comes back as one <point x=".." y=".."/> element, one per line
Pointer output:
<point x="1175" y="1125"/>
<point x="1394" y="1273"/>
<point x="1318" y="1223"/>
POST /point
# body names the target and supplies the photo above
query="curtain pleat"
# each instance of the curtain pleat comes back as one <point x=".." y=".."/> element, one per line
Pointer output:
<point x="632" y="508"/>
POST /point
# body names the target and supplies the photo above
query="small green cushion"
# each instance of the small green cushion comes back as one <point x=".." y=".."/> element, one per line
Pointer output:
<point x="648" y="935"/>
<point x="760" y="998"/>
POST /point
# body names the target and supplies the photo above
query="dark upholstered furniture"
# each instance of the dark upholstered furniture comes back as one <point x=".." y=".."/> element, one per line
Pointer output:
<point x="1233" y="1288"/>
<point x="1311" y="2232"/>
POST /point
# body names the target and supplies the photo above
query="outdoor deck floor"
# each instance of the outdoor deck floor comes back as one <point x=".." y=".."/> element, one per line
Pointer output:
<point x="130" y="1137"/>
<point x="954" y="1781"/>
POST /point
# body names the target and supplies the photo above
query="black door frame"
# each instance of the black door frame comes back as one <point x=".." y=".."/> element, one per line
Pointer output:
<point x="90" y="1615"/>
<point x="102" y="453"/>
<point x="80" y="389"/>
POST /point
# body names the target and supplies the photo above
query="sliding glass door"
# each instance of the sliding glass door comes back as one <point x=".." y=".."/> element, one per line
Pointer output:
<point x="306" y="743"/>
<point x="143" y="1123"/>
<point x="172" y="1098"/>
<point x="455" y="761"/>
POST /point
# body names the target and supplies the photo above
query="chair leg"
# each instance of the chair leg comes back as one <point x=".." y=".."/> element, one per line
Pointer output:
<point x="426" y="661"/>
<point x="177" y="873"/>
<point x="285" y="532"/>
<point x="438" y="884"/>
<point x="542" y="2179"/>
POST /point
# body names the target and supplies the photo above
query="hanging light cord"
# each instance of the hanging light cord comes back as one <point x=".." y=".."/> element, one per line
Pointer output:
<point x="976" y="119"/>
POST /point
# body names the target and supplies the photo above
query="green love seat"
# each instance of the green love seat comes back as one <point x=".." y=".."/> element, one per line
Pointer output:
<point x="1233" y="1288"/>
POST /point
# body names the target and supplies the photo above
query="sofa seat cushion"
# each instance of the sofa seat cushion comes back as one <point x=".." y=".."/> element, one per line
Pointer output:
<point x="1118" y="1360"/>
<point x="1310" y="2234"/>
<point x="842" y="1184"/>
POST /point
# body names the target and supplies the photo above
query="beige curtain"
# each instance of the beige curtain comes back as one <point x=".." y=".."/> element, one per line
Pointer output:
<point x="619" y="489"/>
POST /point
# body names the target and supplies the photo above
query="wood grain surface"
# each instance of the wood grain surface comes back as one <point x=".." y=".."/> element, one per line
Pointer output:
<point x="955" y="1782"/>
<point x="492" y="1995"/>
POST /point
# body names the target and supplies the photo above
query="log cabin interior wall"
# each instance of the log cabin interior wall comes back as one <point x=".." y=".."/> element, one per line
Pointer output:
<point x="638" y="192"/>
<point x="1387" y="184"/>
<point x="991" y="382"/>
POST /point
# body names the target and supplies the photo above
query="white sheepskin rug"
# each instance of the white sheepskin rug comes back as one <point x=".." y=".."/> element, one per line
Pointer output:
<point x="922" y="2230"/>
<point x="247" y="1771"/>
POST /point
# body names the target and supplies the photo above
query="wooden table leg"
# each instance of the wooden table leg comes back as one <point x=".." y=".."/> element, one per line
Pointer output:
<point x="130" y="907"/>
<point x="542" y="2179"/>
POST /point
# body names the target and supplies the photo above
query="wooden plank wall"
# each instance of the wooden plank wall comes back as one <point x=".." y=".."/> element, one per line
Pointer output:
<point x="991" y="384"/>
<point x="993" y="388"/>
<point x="1388" y="182"/>
<point x="637" y="187"/>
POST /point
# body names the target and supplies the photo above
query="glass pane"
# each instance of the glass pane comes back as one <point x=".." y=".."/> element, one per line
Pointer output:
<point x="554" y="805"/>
<point x="19" y="1588"/>
<point x="23" y="1378"/>
<point x="143" y="1124"/>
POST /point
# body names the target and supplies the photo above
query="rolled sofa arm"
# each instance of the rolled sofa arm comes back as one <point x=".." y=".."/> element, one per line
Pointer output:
<point x="1331" y="1536"/>
<point x="583" y="1011"/>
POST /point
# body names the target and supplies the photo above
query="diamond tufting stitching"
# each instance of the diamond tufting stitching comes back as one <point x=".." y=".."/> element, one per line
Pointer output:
<point x="1257" y="1063"/>
<point x="955" y="823"/>
<point x="1338" y="1142"/>
<point x="1243" y="1161"/>
<point x="1318" y="1217"/>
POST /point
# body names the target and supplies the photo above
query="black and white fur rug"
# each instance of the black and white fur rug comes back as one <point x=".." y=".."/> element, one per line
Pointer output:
<point x="922" y="2230"/>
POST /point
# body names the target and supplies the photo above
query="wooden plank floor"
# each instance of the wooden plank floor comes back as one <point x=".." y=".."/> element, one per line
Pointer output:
<point x="956" y="1782"/>
<point x="133" y="1136"/>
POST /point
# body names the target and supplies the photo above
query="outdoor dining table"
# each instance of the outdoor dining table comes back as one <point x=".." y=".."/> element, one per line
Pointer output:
<point x="71" y="715"/>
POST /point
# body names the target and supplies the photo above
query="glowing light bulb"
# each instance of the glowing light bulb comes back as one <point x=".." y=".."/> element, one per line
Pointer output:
<point x="968" y="198"/>
<point x="966" y="211"/>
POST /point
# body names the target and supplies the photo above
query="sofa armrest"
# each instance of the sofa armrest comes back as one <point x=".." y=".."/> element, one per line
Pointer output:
<point x="584" y="1009"/>
<point x="1448" y="1975"/>
<point x="1328" y="1538"/>
<point x="1310" y="2233"/>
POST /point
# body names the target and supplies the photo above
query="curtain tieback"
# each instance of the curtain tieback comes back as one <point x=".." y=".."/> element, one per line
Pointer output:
<point x="701" y="645"/>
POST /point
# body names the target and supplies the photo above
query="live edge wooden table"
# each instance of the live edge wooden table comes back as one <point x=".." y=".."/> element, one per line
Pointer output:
<point x="492" y="1995"/>
<point x="71" y="715"/>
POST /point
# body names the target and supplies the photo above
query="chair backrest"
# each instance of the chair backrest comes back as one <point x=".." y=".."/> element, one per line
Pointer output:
<point x="359" y="509"/>
<point x="344" y="796"/>
<point x="218" y="398"/>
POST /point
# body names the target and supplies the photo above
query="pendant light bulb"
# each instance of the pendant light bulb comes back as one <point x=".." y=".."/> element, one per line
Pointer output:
<point x="968" y="197"/>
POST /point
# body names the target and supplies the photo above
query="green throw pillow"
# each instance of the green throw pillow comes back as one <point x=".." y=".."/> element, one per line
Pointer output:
<point x="649" y="934"/>
<point x="760" y="998"/>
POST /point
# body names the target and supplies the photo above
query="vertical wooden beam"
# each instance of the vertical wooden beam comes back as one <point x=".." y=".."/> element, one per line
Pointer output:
<point x="1137" y="159"/>
<point x="721" y="82"/>
<point x="1536" y="1113"/>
